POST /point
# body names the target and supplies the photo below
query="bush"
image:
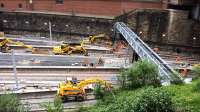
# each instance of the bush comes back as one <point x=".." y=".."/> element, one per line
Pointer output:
<point x="196" y="87"/>
<point x="98" y="91"/>
<point x="10" y="103"/>
<point x="141" y="100"/>
<point x="154" y="100"/>
<point x="56" y="107"/>
<point x="142" y="73"/>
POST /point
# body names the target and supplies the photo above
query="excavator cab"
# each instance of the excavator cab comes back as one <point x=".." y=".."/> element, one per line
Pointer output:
<point x="72" y="80"/>
<point x="4" y="48"/>
<point x="3" y="45"/>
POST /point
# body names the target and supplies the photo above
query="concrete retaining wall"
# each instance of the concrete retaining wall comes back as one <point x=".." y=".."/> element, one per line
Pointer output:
<point x="170" y="27"/>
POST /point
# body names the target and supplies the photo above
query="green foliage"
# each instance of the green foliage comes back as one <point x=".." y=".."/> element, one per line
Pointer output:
<point x="83" y="109"/>
<point x="196" y="71"/>
<point x="117" y="104"/>
<point x="141" y="100"/>
<point x="56" y="107"/>
<point x="196" y="87"/>
<point x="123" y="79"/>
<point x="48" y="107"/>
<point x="142" y="73"/>
<point x="58" y="104"/>
<point x="153" y="100"/>
<point x="176" y="79"/>
<point x="10" y="103"/>
<point x="184" y="97"/>
<point x="99" y="92"/>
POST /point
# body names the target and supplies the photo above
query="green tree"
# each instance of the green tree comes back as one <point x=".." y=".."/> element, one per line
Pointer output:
<point x="141" y="73"/>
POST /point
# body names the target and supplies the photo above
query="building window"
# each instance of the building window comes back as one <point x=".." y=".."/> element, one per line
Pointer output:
<point x="59" y="1"/>
<point x="20" y="5"/>
<point x="2" y="5"/>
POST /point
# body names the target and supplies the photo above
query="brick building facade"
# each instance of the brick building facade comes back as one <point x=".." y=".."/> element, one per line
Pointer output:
<point x="95" y="7"/>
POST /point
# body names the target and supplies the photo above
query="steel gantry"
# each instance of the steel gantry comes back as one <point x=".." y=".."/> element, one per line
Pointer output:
<point x="167" y="74"/>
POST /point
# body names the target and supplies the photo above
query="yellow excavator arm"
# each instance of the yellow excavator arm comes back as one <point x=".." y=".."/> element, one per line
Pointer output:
<point x="84" y="42"/>
<point x="5" y="41"/>
<point x="92" y="39"/>
<point x="93" y="81"/>
<point x="9" y="41"/>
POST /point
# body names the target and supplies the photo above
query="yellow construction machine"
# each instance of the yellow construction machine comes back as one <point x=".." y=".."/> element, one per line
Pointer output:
<point x="73" y="88"/>
<point x="69" y="48"/>
<point x="5" y="48"/>
<point x="66" y="48"/>
<point x="93" y="38"/>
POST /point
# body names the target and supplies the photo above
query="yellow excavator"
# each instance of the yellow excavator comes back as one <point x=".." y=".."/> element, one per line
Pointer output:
<point x="73" y="88"/>
<point x="69" y="48"/>
<point x="5" y="48"/>
<point x="66" y="48"/>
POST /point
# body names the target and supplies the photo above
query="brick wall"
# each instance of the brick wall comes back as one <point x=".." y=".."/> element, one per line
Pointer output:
<point x="96" y="7"/>
<point x="12" y="5"/>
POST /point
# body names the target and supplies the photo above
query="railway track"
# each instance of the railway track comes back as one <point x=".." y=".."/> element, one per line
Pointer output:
<point x="33" y="101"/>
<point x="24" y="59"/>
<point x="49" y="77"/>
<point x="69" y="107"/>
<point x="34" y="104"/>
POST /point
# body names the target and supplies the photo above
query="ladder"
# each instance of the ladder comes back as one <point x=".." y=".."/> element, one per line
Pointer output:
<point x="166" y="73"/>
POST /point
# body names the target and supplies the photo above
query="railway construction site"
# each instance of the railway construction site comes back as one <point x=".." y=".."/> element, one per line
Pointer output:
<point x="39" y="50"/>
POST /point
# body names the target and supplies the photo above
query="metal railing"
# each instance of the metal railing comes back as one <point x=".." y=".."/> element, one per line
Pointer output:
<point x="166" y="73"/>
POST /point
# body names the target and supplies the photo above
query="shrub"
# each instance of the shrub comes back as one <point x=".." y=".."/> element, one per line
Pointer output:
<point x="196" y="87"/>
<point x="154" y="100"/>
<point x="10" y="103"/>
<point x="56" y="107"/>
<point x="143" y="100"/>
<point x="142" y="73"/>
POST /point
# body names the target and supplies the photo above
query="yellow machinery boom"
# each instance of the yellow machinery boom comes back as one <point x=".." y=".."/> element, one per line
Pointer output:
<point x="74" y="89"/>
<point x="4" y="47"/>
<point x="93" y="38"/>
